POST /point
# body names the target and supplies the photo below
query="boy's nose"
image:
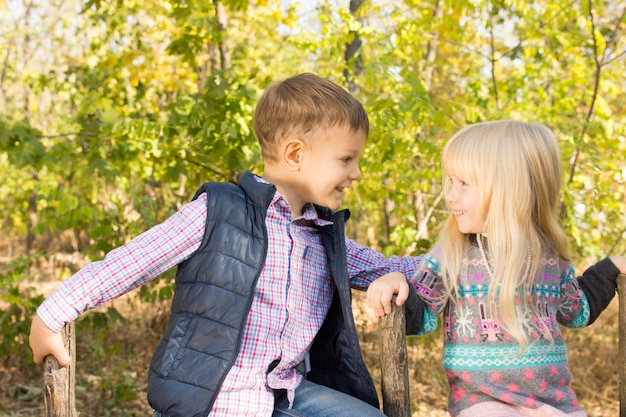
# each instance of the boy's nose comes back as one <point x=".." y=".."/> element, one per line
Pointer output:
<point x="355" y="174"/>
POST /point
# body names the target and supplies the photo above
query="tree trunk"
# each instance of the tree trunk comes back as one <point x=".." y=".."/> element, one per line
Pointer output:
<point x="222" y="25"/>
<point x="352" y="48"/>
<point x="32" y="219"/>
<point x="59" y="382"/>
<point x="433" y="48"/>
<point x="394" y="363"/>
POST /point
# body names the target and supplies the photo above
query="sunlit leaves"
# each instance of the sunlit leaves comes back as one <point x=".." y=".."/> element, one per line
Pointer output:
<point x="125" y="109"/>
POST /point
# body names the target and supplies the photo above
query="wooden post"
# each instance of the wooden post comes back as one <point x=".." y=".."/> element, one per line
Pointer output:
<point x="59" y="382"/>
<point x="394" y="363"/>
<point x="621" y="293"/>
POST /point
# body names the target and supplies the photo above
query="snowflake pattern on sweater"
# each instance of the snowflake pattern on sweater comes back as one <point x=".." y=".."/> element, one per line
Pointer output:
<point x="482" y="360"/>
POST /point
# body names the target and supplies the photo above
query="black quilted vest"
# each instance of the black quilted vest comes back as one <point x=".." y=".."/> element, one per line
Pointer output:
<point x="214" y="292"/>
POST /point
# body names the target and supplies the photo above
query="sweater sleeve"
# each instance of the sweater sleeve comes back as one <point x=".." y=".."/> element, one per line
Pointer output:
<point x="599" y="283"/>
<point x="414" y="308"/>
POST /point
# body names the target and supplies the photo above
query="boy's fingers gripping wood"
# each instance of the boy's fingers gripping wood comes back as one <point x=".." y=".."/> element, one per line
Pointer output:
<point x="44" y="341"/>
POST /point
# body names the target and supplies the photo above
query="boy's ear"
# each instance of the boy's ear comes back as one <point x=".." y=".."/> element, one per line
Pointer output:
<point x="292" y="153"/>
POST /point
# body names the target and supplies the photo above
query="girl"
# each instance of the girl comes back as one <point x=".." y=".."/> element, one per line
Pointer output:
<point x="500" y="275"/>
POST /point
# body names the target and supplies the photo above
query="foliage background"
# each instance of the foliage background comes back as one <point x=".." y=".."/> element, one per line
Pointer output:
<point x="112" y="113"/>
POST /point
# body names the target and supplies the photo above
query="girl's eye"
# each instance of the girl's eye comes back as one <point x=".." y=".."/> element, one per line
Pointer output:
<point x="457" y="181"/>
<point x="347" y="160"/>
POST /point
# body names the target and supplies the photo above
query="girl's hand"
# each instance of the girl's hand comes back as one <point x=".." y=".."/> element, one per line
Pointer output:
<point x="380" y="292"/>
<point x="620" y="263"/>
<point x="43" y="342"/>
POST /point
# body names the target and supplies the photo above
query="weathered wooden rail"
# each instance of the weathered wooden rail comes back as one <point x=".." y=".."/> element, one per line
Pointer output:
<point x="59" y="382"/>
<point x="621" y="293"/>
<point x="394" y="363"/>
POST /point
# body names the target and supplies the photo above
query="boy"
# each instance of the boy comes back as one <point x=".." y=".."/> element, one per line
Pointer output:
<point x="263" y="278"/>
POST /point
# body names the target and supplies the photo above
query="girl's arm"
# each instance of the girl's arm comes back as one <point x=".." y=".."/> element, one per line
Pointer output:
<point x="599" y="283"/>
<point x="429" y="288"/>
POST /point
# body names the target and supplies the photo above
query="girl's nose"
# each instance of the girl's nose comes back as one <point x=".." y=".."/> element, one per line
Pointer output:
<point x="451" y="196"/>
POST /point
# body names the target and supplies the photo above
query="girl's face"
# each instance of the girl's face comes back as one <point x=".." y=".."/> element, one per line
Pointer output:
<point x="464" y="201"/>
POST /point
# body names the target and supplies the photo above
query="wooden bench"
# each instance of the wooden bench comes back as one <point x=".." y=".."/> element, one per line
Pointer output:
<point x="59" y="382"/>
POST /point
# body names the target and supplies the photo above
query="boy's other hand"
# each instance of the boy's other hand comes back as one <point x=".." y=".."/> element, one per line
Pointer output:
<point x="380" y="292"/>
<point x="43" y="342"/>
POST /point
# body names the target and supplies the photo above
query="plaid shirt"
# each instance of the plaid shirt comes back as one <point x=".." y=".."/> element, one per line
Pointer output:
<point x="291" y="299"/>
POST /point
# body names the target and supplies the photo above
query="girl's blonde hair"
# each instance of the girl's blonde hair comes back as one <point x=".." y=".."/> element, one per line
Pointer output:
<point x="516" y="167"/>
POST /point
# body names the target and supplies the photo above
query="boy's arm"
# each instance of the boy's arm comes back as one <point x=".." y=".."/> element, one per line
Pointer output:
<point x="44" y="341"/>
<point x="599" y="283"/>
<point x="123" y="269"/>
<point x="365" y="265"/>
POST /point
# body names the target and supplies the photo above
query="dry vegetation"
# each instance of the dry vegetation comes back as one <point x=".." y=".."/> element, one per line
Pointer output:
<point x="112" y="365"/>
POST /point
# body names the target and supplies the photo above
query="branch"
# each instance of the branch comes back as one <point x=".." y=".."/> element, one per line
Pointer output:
<point x="351" y="56"/>
<point x="222" y="25"/>
<point x="617" y="241"/>
<point x="16" y="25"/>
<point x="594" y="97"/>
<point x="613" y="39"/>
<point x="60" y="135"/>
<point x="492" y="61"/>
<point x="203" y="166"/>
<point x="423" y="224"/>
<point x="615" y="58"/>
<point x="5" y="64"/>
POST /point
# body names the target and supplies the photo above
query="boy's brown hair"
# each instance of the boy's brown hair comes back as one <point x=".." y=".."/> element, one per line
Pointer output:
<point x="302" y="104"/>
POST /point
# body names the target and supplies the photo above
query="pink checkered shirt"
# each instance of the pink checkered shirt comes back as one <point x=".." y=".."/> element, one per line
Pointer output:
<point x="291" y="299"/>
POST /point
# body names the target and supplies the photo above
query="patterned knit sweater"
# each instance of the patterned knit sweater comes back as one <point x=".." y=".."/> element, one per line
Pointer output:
<point x="487" y="374"/>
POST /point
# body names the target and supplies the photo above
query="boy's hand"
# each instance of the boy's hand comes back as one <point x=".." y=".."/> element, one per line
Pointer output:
<point x="44" y="342"/>
<point x="381" y="291"/>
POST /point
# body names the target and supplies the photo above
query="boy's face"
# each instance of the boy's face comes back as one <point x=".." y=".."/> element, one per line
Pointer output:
<point x="329" y="165"/>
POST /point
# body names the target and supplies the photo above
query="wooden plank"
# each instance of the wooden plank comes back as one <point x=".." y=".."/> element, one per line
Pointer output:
<point x="394" y="363"/>
<point x="621" y="291"/>
<point x="59" y="381"/>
